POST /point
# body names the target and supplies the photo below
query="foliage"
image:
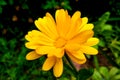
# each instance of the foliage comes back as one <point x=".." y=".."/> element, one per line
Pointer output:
<point x="16" y="18"/>
<point x="106" y="74"/>
<point x="54" y="4"/>
<point x="2" y="3"/>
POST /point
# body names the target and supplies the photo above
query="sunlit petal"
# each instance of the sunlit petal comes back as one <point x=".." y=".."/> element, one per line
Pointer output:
<point x="58" y="52"/>
<point x="82" y="37"/>
<point x="89" y="50"/>
<point x="77" y="54"/>
<point x="87" y="27"/>
<point x="49" y="63"/>
<point x="47" y="27"/>
<point x="75" y="16"/>
<point x="72" y="47"/>
<point x="79" y="60"/>
<point x="62" y="22"/>
<point x="44" y="49"/>
<point x="84" y="21"/>
<point x="75" y="24"/>
<point x="58" y="68"/>
<point x="32" y="55"/>
<point x="37" y="37"/>
<point x="92" y="41"/>
<point x="50" y="16"/>
<point x="32" y="45"/>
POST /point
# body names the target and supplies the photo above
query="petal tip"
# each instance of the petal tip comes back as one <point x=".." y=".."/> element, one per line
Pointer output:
<point x="32" y="55"/>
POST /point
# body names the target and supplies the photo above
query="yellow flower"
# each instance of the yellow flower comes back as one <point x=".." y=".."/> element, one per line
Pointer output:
<point x="64" y="35"/>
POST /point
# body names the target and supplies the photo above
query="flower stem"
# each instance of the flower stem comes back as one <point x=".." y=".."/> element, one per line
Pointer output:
<point x="71" y="64"/>
<point x="96" y="62"/>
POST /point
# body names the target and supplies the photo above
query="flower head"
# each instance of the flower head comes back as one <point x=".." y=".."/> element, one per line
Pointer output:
<point x="64" y="35"/>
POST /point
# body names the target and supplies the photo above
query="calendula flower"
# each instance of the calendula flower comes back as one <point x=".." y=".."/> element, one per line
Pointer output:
<point x="64" y="35"/>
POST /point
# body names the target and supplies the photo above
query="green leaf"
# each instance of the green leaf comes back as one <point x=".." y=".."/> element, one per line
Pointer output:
<point x="3" y="3"/>
<point x="96" y="75"/>
<point x="11" y="2"/>
<point x="12" y="73"/>
<point x="3" y="45"/>
<point x="50" y="4"/>
<point x="113" y="71"/>
<point x="65" y="5"/>
<point x="25" y="6"/>
<point x="101" y="43"/>
<point x="117" y="77"/>
<point x="1" y="9"/>
<point x="84" y="74"/>
<point x="35" y="72"/>
<point x="103" y="19"/>
<point x="12" y="43"/>
<point x="104" y="71"/>
<point x="63" y="78"/>
<point x="107" y="27"/>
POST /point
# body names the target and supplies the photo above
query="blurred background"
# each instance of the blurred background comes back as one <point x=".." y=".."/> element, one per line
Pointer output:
<point x="17" y="18"/>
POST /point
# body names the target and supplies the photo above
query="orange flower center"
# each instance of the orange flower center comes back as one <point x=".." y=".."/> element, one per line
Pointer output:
<point x="60" y="42"/>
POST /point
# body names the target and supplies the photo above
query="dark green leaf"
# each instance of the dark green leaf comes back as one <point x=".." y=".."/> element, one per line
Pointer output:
<point x="0" y="9"/>
<point x="84" y="74"/>
<point x="25" y="6"/>
<point x="3" y="3"/>
<point x="11" y="2"/>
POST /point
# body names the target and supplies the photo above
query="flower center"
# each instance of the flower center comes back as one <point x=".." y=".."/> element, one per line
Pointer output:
<point x="60" y="42"/>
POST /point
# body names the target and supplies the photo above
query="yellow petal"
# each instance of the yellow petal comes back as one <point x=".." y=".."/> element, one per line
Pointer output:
<point x="82" y="37"/>
<point x="37" y="34"/>
<point x="28" y="37"/>
<point x="32" y="45"/>
<point x="89" y="50"/>
<point x="75" y="24"/>
<point x="92" y="41"/>
<point x="60" y="42"/>
<point x="77" y="54"/>
<point x="51" y="26"/>
<point x="87" y="27"/>
<point x="62" y="22"/>
<point x="58" y="68"/>
<point x="74" y="51"/>
<point x="80" y="60"/>
<point x="84" y="21"/>
<point x="49" y="63"/>
<point x="72" y="47"/>
<point x="58" y="52"/>
<point x="44" y="49"/>
<point x="37" y="37"/>
<point x="47" y="26"/>
<point x="50" y="51"/>
<point x="32" y="55"/>
<point x="76" y="21"/>
<point x="75" y="16"/>
<point x="50" y="16"/>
